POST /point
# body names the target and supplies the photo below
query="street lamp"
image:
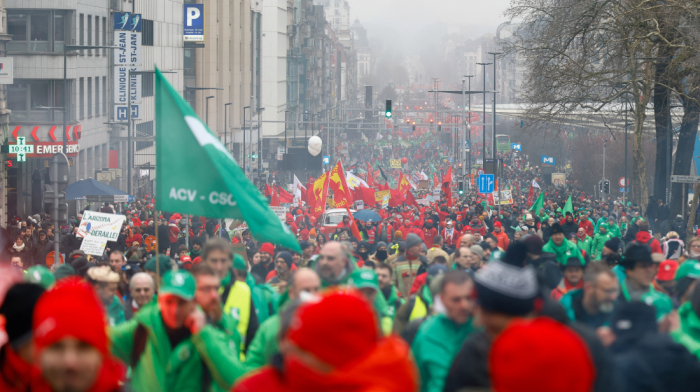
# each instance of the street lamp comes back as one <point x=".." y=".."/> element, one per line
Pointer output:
<point x="245" y="158"/>
<point x="206" y="100"/>
<point x="226" y="125"/>
<point x="467" y="126"/>
<point x="483" y="119"/>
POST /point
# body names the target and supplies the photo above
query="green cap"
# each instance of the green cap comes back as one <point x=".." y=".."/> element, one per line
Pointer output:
<point x="180" y="283"/>
<point x="364" y="278"/>
<point x="63" y="271"/>
<point x="164" y="261"/>
<point x="239" y="263"/>
<point x="690" y="268"/>
<point x="40" y="275"/>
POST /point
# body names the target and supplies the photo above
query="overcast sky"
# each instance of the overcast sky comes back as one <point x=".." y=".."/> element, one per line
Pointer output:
<point x="401" y="13"/>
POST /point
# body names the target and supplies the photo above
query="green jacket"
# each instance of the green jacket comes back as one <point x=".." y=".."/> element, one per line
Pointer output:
<point x="264" y="345"/>
<point x="437" y="342"/>
<point x="162" y="368"/>
<point x="392" y="301"/>
<point x="115" y="312"/>
<point x="613" y="230"/>
<point x="689" y="332"/>
<point x="585" y="244"/>
<point x="660" y="301"/>
<point x="601" y="221"/>
<point x="598" y="245"/>
<point x="265" y="298"/>
<point x="566" y="250"/>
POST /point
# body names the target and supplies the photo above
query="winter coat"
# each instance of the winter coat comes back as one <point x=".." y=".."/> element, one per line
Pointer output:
<point x="387" y="368"/>
<point x="654" y="362"/>
<point x="115" y="312"/>
<point x="15" y="373"/>
<point x="660" y="301"/>
<point x="644" y="238"/>
<point x="264" y="345"/>
<point x="405" y="271"/>
<point x="435" y="346"/>
<point x="563" y="252"/>
<point x="41" y="249"/>
<point x="673" y="248"/>
<point x="689" y="333"/>
<point x="573" y="305"/>
<point x="163" y="368"/>
<point x="548" y="272"/>
<point x="587" y="226"/>
<point x="598" y="244"/>
<point x="585" y="244"/>
<point x="569" y="228"/>
<point x="502" y="238"/>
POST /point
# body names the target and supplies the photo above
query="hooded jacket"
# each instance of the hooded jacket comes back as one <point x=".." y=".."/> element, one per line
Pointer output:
<point x="563" y="252"/>
<point x="388" y="368"/>
<point x="643" y="237"/>
<point x="162" y="368"/>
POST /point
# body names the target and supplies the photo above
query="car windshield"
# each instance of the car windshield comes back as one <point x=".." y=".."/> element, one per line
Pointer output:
<point x="334" y="219"/>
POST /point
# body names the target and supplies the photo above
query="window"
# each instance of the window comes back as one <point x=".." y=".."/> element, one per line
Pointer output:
<point x="89" y="32"/>
<point x="104" y="36"/>
<point x="36" y="100"/>
<point x="97" y="96"/>
<point x="81" y="31"/>
<point x="147" y="32"/>
<point x="104" y="95"/>
<point x="89" y="97"/>
<point x="81" y="94"/>
<point x="147" y="85"/>
<point x="37" y="31"/>
<point x="144" y="129"/>
<point x="97" y="35"/>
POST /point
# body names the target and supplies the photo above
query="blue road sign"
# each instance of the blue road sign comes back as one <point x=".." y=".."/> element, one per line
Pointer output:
<point x="622" y="190"/>
<point x="486" y="183"/>
<point x="547" y="160"/>
<point x="193" y="27"/>
<point x="466" y="145"/>
<point x="516" y="146"/>
<point x="326" y="159"/>
<point x="450" y="159"/>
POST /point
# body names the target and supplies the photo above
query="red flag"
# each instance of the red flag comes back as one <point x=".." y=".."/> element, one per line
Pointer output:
<point x="316" y="195"/>
<point x="447" y="186"/>
<point x="396" y="198"/>
<point x="489" y="199"/>
<point x="353" y="227"/>
<point x="404" y="186"/>
<point x="341" y="190"/>
<point x="268" y="190"/>
<point x="275" y="201"/>
<point x="410" y="200"/>
<point x="435" y="180"/>
<point x="530" y="195"/>
<point x="284" y="196"/>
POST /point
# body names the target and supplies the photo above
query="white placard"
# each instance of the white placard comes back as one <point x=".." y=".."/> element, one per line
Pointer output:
<point x="281" y="213"/>
<point x="6" y="70"/>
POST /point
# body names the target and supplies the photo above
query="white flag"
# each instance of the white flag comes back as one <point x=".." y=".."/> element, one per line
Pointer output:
<point x="364" y="138"/>
<point x="535" y="184"/>
<point x="423" y="176"/>
<point x="297" y="188"/>
<point x="379" y="136"/>
<point x="354" y="181"/>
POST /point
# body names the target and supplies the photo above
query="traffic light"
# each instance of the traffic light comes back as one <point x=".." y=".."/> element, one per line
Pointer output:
<point x="388" y="109"/>
<point x="606" y="187"/>
<point x="439" y="128"/>
<point x="414" y="126"/>
<point x="431" y="121"/>
<point x="460" y="187"/>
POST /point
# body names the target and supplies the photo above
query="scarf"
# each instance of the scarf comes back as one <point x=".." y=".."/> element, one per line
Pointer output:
<point x="18" y="248"/>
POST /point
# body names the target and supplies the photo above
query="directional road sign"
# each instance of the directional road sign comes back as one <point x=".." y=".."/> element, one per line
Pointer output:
<point x="486" y="183"/>
<point x="516" y="146"/>
<point x="326" y="159"/>
<point x="686" y="179"/>
<point x="466" y="145"/>
<point x="547" y="160"/>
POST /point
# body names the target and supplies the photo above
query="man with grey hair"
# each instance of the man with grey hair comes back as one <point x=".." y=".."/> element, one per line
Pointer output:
<point x="141" y="291"/>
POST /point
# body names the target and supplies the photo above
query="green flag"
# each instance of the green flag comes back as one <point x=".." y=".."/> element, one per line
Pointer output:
<point x="568" y="207"/>
<point x="539" y="204"/>
<point x="198" y="176"/>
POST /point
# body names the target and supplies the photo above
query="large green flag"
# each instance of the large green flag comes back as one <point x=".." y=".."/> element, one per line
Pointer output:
<point x="568" y="207"/>
<point x="539" y="204"/>
<point x="197" y="175"/>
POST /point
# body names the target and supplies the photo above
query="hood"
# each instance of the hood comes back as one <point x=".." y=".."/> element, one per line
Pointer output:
<point x="391" y="356"/>
<point x="643" y="237"/>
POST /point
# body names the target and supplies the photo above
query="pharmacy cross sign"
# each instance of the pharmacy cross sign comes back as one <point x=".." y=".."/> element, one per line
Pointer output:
<point x="21" y="149"/>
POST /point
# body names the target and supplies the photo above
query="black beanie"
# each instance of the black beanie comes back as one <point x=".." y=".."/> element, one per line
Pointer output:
<point x="507" y="289"/>
<point x="516" y="254"/>
<point x="613" y="244"/>
<point x="286" y="256"/>
<point x="18" y="308"/>
<point x="556" y="228"/>
<point x="534" y="244"/>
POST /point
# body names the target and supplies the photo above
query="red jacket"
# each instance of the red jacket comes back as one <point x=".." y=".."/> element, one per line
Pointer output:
<point x="502" y="238"/>
<point x="429" y="235"/>
<point x="643" y="237"/>
<point x="587" y="226"/>
<point x="15" y="373"/>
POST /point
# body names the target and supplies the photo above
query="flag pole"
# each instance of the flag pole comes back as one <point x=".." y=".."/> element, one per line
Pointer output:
<point x="157" y="252"/>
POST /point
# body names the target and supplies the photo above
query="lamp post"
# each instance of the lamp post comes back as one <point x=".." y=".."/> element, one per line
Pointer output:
<point x="467" y="127"/>
<point x="483" y="119"/>
<point x="206" y="101"/>
<point x="226" y="125"/>
<point x="245" y="158"/>
<point x="260" y="110"/>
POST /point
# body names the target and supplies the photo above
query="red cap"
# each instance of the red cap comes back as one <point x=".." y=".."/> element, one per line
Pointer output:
<point x="667" y="270"/>
<point x="339" y="329"/>
<point x="520" y="353"/>
<point x="497" y="224"/>
<point x="57" y="310"/>
<point x="268" y="248"/>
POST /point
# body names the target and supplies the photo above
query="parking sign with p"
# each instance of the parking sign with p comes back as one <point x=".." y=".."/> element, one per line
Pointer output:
<point x="193" y="28"/>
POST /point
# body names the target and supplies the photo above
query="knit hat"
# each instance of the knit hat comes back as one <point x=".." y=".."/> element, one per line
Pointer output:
<point x="478" y="250"/>
<point x="557" y="229"/>
<point x="504" y="288"/>
<point x="524" y="348"/>
<point x="304" y="244"/>
<point x="516" y="254"/>
<point x="287" y="257"/>
<point x="164" y="264"/>
<point x="398" y="234"/>
<point x="57" y="312"/>
<point x="339" y="329"/>
<point x="239" y="262"/>
<point x="63" y="271"/>
<point x="667" y="270"/>
<point x="17" y="308"/>
<point x="380" y="244"/>
<point x="613" y="244"/>
<point x="412" y="240"/>
<point x="533" y="243"/>
<point x="40" y="275"/>
<point x="267" y="248"/>
<point x="634" y="253"/>
<point x="103" y="274"/>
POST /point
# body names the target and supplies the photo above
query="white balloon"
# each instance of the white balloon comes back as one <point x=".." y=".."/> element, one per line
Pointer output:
<point x="315" y="145"/>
